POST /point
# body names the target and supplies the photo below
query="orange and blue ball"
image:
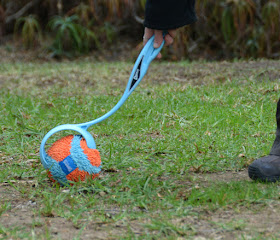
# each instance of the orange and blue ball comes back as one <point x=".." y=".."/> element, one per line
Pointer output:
<point x="70" y="159"/>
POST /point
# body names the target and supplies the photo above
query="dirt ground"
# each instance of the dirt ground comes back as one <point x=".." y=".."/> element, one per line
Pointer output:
<point x="218" y="224"/>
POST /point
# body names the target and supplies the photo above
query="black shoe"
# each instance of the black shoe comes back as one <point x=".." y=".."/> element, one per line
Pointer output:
<point x="266" y="169"/>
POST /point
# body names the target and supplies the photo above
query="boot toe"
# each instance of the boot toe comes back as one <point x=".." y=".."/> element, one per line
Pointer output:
<point x="265" y="169"/>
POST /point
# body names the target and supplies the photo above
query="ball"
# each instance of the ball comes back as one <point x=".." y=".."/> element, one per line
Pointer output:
<point x="70" y="159"/>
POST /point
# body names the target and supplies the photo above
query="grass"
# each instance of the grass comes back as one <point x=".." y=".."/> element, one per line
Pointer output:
<point x="184" y="122"/>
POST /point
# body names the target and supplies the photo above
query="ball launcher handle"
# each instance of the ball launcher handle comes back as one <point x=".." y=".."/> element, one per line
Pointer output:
<point x="146" y="56"/>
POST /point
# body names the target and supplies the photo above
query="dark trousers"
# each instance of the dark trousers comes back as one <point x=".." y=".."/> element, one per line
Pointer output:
<point x="275" y="150"/>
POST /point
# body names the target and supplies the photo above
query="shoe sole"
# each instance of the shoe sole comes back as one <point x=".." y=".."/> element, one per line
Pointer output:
<point x="256" y="174"/>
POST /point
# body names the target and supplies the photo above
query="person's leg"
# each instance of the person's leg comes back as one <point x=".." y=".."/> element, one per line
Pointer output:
<point x="268" y="168"/>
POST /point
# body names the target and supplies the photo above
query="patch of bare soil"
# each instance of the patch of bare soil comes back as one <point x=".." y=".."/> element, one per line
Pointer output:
<point x="58" y="227"/>
<point x="22" y="216"/>
<point x="242" y="223"/>
<point x="216" y="72"/>
<point x="196" y="73"/>
<point x="239" y="222"/>
<point x="224" y="176"/>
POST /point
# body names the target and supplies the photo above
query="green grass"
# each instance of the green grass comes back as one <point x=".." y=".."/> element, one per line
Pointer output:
<point x="150" y="148"/>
